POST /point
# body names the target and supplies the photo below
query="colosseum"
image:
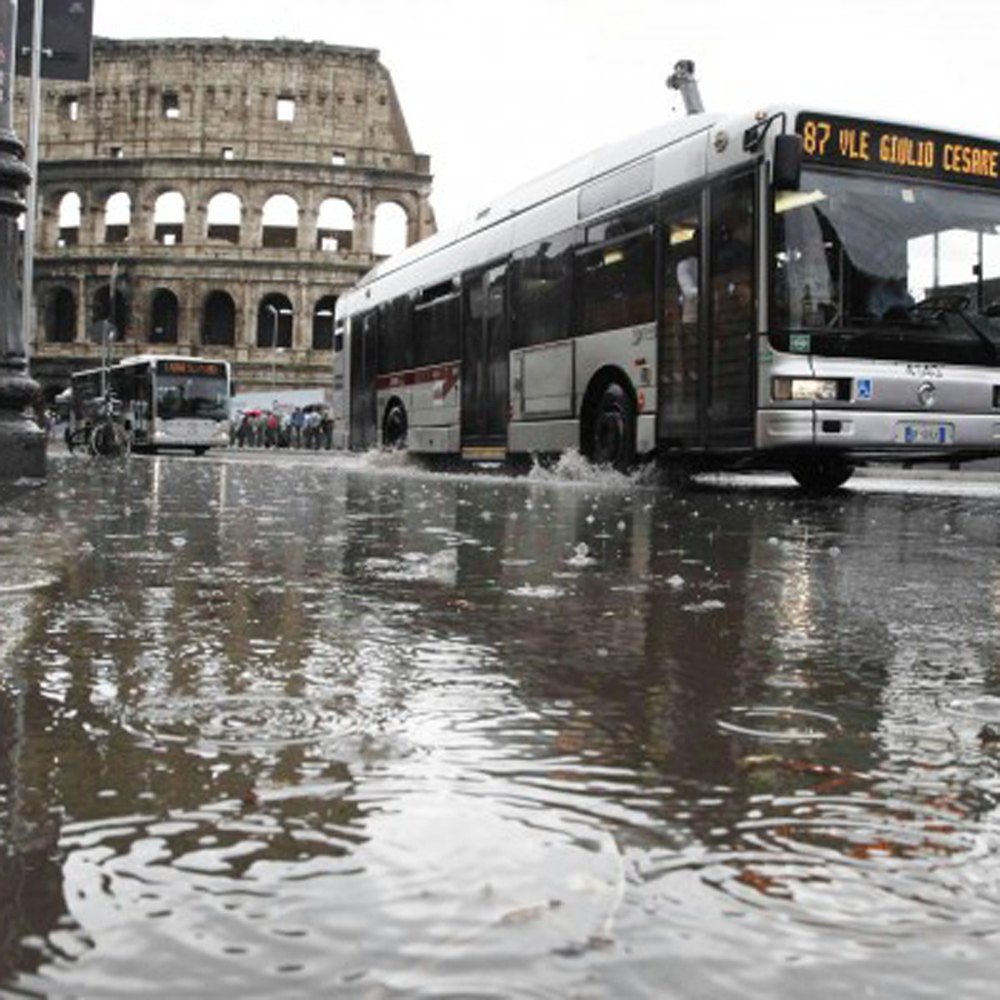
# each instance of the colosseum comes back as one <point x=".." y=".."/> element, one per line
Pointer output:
<point x="214" y="197"/>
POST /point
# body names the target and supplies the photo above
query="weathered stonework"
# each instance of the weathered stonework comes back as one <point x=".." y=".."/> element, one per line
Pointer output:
<point x="319" y="124"/>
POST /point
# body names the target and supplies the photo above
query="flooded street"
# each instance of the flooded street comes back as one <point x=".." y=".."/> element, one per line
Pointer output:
<point x="336" y="726"/>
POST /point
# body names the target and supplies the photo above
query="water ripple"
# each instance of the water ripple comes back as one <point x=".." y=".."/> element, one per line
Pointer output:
<point x="858" y="865"/>
<point x="244" y="722"/>
<point x="780" y="724"/>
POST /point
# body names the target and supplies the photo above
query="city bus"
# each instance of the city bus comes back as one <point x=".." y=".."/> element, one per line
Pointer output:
<point x="789" y="289"/>
<point x="167" y="402"/>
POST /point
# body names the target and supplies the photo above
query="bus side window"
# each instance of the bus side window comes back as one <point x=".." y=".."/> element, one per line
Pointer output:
<point x="437" y="324"/>
<point x="541" y="291"/>
<point x="616" y="277"/>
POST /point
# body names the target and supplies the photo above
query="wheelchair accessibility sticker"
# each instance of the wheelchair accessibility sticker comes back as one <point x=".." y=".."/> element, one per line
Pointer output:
<point x="864" y="388"/>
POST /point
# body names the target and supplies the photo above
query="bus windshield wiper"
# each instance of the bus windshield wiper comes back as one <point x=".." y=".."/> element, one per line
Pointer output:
<point x="928" y="314"/>
<point x="934" y="307"/>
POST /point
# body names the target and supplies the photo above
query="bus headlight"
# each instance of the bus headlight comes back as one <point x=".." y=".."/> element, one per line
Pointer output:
<point x="785" y="388"/>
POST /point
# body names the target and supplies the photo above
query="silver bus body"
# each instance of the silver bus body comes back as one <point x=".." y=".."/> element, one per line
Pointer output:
<point x="805" y="395"/>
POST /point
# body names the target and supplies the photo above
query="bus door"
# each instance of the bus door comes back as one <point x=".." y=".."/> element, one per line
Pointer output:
<point x="363" y="346"/>
<point x="485" y="359"/>
<point x="728" y="352"/>
<point x="137" y="397"/>
<point x="681" y="322"/>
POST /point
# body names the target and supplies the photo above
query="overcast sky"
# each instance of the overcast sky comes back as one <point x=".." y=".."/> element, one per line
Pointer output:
<point x="496" y="91"/>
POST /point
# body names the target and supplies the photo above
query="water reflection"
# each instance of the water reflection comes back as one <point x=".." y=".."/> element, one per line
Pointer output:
<point x="336" y="725"/>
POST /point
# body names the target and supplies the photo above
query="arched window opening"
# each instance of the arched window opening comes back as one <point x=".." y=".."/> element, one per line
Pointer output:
<point x="390" y="229"/>
<point x="164" y="312"/>
<point x="168" y="218"/>
<point x="274" y="321"/>
<point x="102" y="314"/>
<point x="225" y="217"/>
<point x="60" y="316"/>
<point x="335" y="226"/>
<point x="322" y="339"/>
<point x="218" y="323"/>
<point x="69" y="220"/>
<point x="117" y="218"/>
<point x="280" y="221"/>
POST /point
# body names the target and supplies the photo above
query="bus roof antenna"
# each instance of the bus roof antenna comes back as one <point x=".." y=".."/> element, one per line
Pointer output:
<point x="682" y="79"/>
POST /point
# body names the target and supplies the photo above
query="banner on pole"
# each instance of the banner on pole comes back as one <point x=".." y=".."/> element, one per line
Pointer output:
<point x="6" y="61"/>
<point x="67" y="31"/>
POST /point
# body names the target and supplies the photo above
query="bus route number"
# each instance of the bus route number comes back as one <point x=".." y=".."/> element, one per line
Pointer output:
<point x="815" y="136"/>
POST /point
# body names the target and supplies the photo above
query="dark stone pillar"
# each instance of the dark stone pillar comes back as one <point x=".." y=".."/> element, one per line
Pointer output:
<point x="22" y="441"/>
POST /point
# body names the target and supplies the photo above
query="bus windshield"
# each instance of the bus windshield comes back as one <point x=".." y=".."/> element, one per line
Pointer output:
<point x="885" y="268"/>
<point x="191" y="396"/>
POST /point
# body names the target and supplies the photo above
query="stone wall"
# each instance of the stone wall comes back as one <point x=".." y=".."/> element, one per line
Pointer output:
<point x="234" y="187"/>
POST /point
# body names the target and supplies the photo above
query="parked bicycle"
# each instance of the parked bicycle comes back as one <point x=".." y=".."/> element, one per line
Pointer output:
<point x="102" y="432"/>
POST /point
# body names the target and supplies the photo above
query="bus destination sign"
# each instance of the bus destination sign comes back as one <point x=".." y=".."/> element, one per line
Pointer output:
<point x="204" y="369"/>
<point x="899" y="149"/>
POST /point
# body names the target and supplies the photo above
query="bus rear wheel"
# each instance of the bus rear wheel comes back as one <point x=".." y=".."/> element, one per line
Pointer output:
<point x="819" y="475"/>
<point x="610" y="437"/>
<point x="394" y="427"/>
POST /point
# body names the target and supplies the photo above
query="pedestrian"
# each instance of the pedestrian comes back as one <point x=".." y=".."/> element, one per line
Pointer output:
<point x="297" y="422"/>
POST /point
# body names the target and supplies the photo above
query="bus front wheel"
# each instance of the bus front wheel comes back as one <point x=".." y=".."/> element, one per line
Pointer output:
<point x="610" y="436"/>
<point x="821" y="474"/>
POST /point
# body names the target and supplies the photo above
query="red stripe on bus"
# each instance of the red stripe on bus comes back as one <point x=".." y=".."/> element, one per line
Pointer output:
<point x="448" y="374"/>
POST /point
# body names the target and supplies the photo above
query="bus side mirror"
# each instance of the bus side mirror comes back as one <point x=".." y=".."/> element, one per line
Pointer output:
<point x="787" y="167"/>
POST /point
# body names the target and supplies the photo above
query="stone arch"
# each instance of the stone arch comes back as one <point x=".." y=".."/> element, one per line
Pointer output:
<point x="168" y="218"/>
<point x="224" y="217"/>
<point x="322" y="329"/>
<point x="275" y="319"/>
<point x="117" y="217"/>
<point x="335" y="226"/>
<point x="280" y="222"/>
<point x="390" y="230"/>
<point x="218" y="320"/>
<point x="70" y="210"/>
<point x="60" y="316"/>
<point x="164" y="317"/>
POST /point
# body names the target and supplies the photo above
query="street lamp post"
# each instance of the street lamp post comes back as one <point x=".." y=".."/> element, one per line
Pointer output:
<point x="276" y="313"/>
<point x="108" y="332"/>
<point x="22" y="441"/>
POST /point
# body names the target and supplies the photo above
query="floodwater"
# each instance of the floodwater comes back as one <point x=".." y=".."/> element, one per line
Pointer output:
<point x="335" y="726"/>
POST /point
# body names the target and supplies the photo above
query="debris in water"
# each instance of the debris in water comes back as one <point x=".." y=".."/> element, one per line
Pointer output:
<point x="705" y="606"/>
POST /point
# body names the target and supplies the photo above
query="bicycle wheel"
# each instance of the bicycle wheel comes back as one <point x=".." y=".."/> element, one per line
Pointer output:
<point x="108" y="440"/>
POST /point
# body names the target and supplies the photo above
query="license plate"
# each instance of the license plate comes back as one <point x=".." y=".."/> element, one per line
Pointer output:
<point x="925" y="433"/>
